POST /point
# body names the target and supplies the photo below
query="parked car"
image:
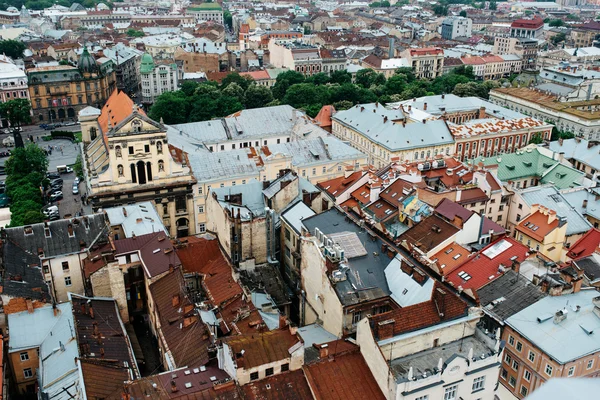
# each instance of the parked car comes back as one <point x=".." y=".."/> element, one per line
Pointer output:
<point x="54" y="216"/>
<point x="57" y="180"/>
<point x="70" y="123"/>
<point x="49" y="210"/>
<point x="49" y="127"/>
<point x="76" y="181"/>
<point x="75" y="189"/>
<point x="63" y="169"/>
<point x="4" y="200"/>
<point x="4" y="153"/>
<point x="56" y="196"/>
<point x="53" y="175"/>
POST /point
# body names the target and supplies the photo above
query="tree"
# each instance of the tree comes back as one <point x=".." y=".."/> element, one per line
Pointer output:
<point x="558" y="38"/>
<point x="227" y="17"/>
<point x="234" y="90"/>
<point x="536" y="138"/>
<point x="189" y="87"/>
<point x="342" y="105"/>
<point x="340" y="77"/>
<point x="375" y="4"/>
<point x="556" y="23"/>
<point x="63" y="62"/>
<point x="396" y="84"/>
<point x="440" y="10"/>
<point x="385" y="3"/>
<point x="171" y="107"/>
<point x="134" y="33"/>
<point x="243" y="81"/>
<point x="463" y="13"/>
<point x="367" y="77"/>
<point x="12" y="48"/>
<point x="258" y="96"/>
<point x="493" y="5"/>
<point x="306" y="94"/>
<point x="284" y="81"/>
<point x="318" y="79"/>
<point x="26" y="174"/>
<point x="18" y="111"/>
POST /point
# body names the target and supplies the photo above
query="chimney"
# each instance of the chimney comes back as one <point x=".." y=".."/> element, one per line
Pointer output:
<point x="591" y="144"/>
<point x="349" y="170"/>
<point x="481" y="113"/>
<point x="54" y="309"/>
<point x="560" y="315"/>
<point x="584" y="205"/>
<point x="384" y="120"/>
<point x="406" y="267"/>
<point x="424" y="121"/>
<point x="362" y="109"/>
<point x="439" y="299"/>
<point x="409" y="108"/>
<point x="443" y="96"/>
<point x="385" y="329"/>
<point x="424" y="106"/>
<point x="70" y="229"/>
<point x="516" y="266"/>
<point x="173" y="387"/>
<point x="91" y="311"/>
<point x="124" y="212"/>
<point x="560" y="141"/>
<point x="419" y="276"/>
<point x="323" y="349"/>
<point x="30" y="306"/>
<point x="176" y="300"/>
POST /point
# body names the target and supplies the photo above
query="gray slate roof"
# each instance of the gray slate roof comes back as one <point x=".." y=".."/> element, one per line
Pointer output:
<point x="317" y="151"/>
<point x="369" y="120"/>
<point x="86" y="230"/>
<point x="507" y="295"/>
<point x="22" y="273"/>
<point x="579" y="151"/>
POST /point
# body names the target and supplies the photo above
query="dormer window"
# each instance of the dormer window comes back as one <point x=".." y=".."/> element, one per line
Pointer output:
<point x="28" y="230"/>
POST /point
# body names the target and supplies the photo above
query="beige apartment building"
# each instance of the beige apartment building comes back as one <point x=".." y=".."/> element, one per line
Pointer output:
<point x="530" y="359"/>
<point x="427" y="62"/>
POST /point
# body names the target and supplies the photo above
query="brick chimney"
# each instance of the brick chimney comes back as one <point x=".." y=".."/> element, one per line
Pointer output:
<point x="481" y="113"/>
<point x="173" y="387"/>
<point x="406" y="267"/>
<point x="323" y="349"/>
<point x="424" y="106"/>
<point x="385" y="329"/>
<point x="419" y="276"/>
<point x="349" y="170"/>
<point x="29" y="306"/>
<point x="439" y="298"/>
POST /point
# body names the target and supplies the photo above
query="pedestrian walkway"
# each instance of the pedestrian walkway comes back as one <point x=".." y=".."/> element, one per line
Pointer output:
<point x="60" y="152"/>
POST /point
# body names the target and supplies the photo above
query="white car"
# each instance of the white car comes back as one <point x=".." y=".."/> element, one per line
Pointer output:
<point x="56" y="196"/>
<point x="75" y="189"/>
<point x="76" y="181"/>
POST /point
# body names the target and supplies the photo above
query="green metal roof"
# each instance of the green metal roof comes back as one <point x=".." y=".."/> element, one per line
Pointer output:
<point x="205" y="7"/>
<point x="530" y="162"/>
<point x="147" y="64"/>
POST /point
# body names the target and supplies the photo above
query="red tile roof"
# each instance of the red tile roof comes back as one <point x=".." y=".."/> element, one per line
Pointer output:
<point x="450" y="210"/>
<point x="423" y="315"/>
<point x="103" y="380"/>
<point x="382" y="209"/>
<point x="117" y="108"/>
<point x="534" y="23"/>
<point x="155" y="262"/>
<point x="586" y="245"/>
<point x="428" y="234"/>
<point x="323" y="118"/>
<point x="286" y="386"/>
<point x="450" y="257"/>
<point x="494" y="185"/>
<point x="337" y="186"/>
<point x="263" y="348"/>
<point x="185" y="335"/>
<point x="396" y="191"/>
<point x="481" y="269"/>
<point x="473" y="195"/>
<point x="257" y="75"/>
<point x="346" y="376"/>
<point x="536" y="225"/>
<point x="426" y="51"/>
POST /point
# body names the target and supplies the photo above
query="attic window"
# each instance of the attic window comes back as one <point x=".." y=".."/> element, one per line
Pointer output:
<point x="28" y="230"/>
<point x="47" y="232"/>
<point x="456" y="257"/>
<point x="527" y="163"/>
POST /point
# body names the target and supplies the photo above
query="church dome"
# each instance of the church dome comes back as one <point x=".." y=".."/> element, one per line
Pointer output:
<point x="147" y="64"/>
<point x="87" y="62"/>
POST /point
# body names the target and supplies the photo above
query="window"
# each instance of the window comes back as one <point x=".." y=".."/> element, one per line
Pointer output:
<point x="287" y="234"/>
<point x="519" y="346"/>
<point x="527" y="375"/>
<point x="571" y="371"/>
<point x="548" y="369"/>
<point x="27" y="373"/>
<point x="590" y="364"/>
<point x="515" y="365"/>
<point x="24" y="356"/>
<point x="254" y="376"/>
<point x="426" y="397"/>
<point x="450" y="392"/>
<point x="356" y="318"/>
<point x="511" y="340"/>
<point x="478" y="383"/>
<point x="269" y="371"/>
<point x="285" y="367"/>
<point x="200" y="189"/>
<point x="512" y="381"/>
<point x="504" y="373"/>
<point x="523" y="390"/>
<point x="67" y="280"/>
<point x="65" y="265"/>
<point x="200" y="209"/>
<point x="202" y="228"/>
<point x="130" y="149"/>
<point x="314" y="171"/>
<point x="507" y="359"/>
<point x="531" y="356"/>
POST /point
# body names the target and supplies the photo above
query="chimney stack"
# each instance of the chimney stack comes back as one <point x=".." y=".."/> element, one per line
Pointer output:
<point x="584" y="205"/>
<point x="30" y="306"/>
<point x="173" y="387"/>
<point x="481" y="112"/>
<point x="385" y="329"/>
<point x="424" y="106"/>
<point x="439" y="298"/>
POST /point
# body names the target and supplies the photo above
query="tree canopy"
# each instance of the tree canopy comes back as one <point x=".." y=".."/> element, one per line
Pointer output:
<point x="207" y="100"/>
<point x="26" y="175"/>
<point x="18" y="111"/>
<point x="12" y="48"/>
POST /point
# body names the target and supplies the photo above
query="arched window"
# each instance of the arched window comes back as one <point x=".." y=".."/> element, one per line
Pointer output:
<point x="159" y="147"/>
<point x="133" y="176"/>
<point x="416" y="155"/>
<point x="118" y="151"/>
<point x="161" y="166"/>
<point x="120" y="170"/>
